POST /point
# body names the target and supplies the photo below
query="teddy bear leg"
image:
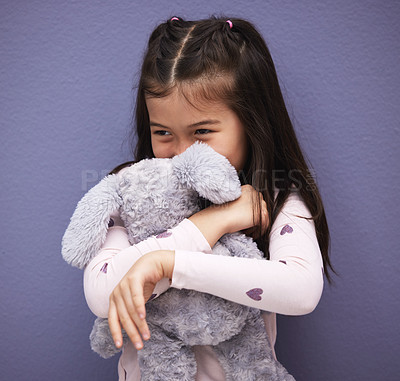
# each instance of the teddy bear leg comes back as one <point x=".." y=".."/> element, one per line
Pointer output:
<point x="101" y="340"/>
<point x="165" y="357"/>
<point x="249" y="356"/>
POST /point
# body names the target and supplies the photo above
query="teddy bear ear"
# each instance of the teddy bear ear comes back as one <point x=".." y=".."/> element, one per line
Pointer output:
<point x="208" y="173"/>
<point x="88" y="226"/>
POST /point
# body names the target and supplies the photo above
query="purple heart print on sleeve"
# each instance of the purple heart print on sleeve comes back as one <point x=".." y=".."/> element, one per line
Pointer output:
<point x="255" y="293"/>
<point x="286" y="229"/>
<point x="104" y="268"/>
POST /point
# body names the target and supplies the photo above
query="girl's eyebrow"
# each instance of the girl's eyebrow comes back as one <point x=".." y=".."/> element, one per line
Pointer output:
<point x="204" y="123"/>
<point x="197" y="124"/>
<point x="154" y="124"/>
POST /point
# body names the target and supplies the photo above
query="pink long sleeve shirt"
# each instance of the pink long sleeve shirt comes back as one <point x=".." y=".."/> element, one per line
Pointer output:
<point x="290" y="283"/>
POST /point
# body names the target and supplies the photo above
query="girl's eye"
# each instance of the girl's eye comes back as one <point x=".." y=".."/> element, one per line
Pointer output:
<point x="203" y="131"/>
<point x="162" y="133"/>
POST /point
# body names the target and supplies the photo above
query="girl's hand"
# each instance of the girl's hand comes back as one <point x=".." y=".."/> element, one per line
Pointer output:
<point x="127" y="301"/>
<point x="237" y="215"/>
<point x="242" y="213"/>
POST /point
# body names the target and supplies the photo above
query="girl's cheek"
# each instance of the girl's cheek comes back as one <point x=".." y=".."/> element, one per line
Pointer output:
<point x="157" y="149"/>
<point x="162" y="150"/>
<point x="222" y="147"/>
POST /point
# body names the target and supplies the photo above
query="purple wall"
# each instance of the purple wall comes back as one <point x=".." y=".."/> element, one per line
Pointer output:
<point x="66" y="74"/>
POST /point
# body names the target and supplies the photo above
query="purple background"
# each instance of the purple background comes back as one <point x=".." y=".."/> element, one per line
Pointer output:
<point x="67" y="70"/>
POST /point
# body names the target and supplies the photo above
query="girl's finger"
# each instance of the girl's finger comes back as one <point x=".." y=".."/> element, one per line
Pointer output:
<point x="132" y="311"/>
<point x="138" y="299"/>
<point x="140" y="313"/>
<point x="136" y="287"/>
<point x="113" y="323"/>
<point x="128" y="324"/>
<point x="264" y="219"/>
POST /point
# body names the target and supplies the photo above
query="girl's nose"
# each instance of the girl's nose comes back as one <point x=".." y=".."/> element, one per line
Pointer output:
<point x="182" y="146"/>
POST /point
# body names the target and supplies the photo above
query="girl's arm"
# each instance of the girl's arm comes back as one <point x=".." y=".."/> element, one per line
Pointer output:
<point x="117" y="256"/>
<point x="231" y="217"/>
<point x="289" y="283"/>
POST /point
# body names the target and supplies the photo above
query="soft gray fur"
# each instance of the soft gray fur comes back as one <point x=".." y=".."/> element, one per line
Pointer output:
<point x="153" y="196"/>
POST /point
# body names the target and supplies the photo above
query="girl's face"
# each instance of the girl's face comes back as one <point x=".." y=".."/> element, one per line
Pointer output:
<point x="175" y="125"/>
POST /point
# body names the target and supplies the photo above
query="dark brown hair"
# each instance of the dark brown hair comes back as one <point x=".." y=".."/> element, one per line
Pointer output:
<point x="210" y="60"/>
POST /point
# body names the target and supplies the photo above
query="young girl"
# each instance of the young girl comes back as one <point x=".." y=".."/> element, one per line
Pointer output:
<point x="214" y="80"/>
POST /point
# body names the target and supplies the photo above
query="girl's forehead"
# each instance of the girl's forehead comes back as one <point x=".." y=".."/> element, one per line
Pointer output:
<point x="198" y="92"/>
<point x="177" y="103"/>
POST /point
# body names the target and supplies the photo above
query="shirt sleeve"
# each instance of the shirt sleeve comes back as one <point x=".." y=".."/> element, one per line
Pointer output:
<point x="289" y="283"/>
<point x="117" y="256"/>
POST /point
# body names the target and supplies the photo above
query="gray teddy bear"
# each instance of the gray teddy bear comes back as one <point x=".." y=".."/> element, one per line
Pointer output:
<point x="153" y="196"/>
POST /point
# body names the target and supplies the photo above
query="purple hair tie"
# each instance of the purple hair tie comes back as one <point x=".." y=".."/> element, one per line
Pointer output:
<point x="174" y="18"/>
<point x="230" y="23"/>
